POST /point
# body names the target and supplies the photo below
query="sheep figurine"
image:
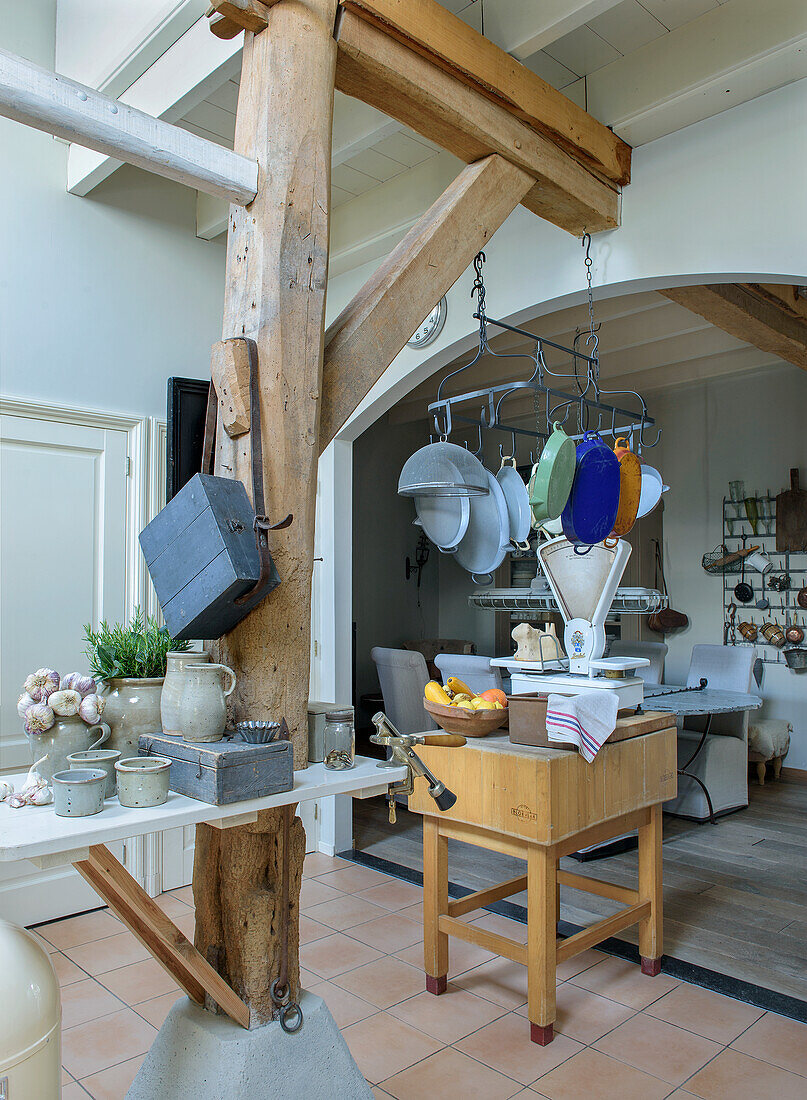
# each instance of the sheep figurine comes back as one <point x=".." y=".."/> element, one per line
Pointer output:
<point x="535" y="644"/>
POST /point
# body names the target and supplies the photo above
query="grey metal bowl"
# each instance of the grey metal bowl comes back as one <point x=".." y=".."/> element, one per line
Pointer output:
<point x="257" y="733"/>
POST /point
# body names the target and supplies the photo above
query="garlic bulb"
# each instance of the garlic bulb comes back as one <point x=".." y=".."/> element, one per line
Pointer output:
<point x="23" y="703"/>
<point x="74" y="681"/>
<point x="91" y="708"/>
<point x="39" y="718"/>
<point x="65" y="703"/>
<point x="32" y="687"/>
<point x="35" y="791"/>
<point x="40" y="796"/>
<point x="5" y="790"/>
<point x="41" y="684"/>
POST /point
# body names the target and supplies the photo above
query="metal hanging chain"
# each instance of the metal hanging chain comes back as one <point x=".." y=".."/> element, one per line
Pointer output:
<point x="478" y="289"/>
<point x="592" y="337"/>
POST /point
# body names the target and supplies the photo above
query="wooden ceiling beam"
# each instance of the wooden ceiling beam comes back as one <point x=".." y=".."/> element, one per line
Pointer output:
<point x="750" y="313"/>
<point x="371" y="330"/>
<point x="378" y="69"/>
<point x="48" y="101"/>
<point x="429" y="29"/>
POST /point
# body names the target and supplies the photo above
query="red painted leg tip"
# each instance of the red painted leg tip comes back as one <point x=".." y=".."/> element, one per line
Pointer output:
<point x="436" y="985"/>
<point x="543" y="1036"/>
<point x="651" y="967"/>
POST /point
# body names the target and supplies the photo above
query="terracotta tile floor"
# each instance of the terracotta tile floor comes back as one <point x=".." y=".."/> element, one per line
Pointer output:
<point x="620" y="1035"/>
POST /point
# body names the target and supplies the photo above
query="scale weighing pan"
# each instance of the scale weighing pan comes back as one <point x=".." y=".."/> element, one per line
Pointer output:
<point x="488" y="536"/>
<point x="584" y="586"/>
<point x="579" y="581"/>
<point x="444" y="519"/>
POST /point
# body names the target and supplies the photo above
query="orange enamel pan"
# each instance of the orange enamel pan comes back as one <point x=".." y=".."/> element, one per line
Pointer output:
<point x="630" y="487"/>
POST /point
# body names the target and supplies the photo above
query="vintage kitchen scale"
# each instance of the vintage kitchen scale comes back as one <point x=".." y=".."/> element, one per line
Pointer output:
<point x="584" y="586"/>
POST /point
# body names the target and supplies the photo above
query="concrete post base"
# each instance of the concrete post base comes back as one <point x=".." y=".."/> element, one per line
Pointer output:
<point x="197" y="1054"/>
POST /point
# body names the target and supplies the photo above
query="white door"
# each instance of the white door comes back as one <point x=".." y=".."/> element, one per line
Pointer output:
<point x="63" y="532"/>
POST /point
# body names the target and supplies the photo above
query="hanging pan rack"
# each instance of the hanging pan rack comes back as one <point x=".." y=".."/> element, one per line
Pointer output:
<point x="611" y="420"/>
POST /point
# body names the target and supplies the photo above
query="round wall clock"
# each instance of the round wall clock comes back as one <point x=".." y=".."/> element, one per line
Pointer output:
<point x="431" y="328"/>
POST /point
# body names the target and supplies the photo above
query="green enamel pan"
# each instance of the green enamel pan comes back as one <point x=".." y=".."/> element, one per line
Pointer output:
<point x="552" y="476"/>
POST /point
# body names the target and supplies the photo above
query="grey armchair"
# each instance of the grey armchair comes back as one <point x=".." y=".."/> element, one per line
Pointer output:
<point x="654" y="651"/>
<point x="722" y="763"/>
<point x="473" y="670"/>
<point x="403" y="675"/>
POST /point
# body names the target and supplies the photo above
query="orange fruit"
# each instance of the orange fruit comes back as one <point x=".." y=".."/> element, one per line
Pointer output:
<point x="495" y="695"/>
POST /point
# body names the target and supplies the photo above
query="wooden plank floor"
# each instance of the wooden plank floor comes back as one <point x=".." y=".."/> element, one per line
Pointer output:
<point x="735" y="893"/>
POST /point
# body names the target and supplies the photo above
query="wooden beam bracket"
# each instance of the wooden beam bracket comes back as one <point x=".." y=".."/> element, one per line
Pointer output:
<point x="229" y="369"/>
<point x="229" y="17"/>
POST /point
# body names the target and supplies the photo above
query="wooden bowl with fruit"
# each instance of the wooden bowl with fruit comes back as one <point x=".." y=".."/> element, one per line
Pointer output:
<point x="463" y="711"/>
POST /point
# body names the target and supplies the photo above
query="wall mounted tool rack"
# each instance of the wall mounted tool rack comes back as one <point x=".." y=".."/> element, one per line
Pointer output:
<point x="783" y="606"/>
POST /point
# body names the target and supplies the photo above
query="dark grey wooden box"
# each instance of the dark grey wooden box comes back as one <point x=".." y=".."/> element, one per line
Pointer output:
<point x="201" y="554"/>
<point x="224" y="771"/>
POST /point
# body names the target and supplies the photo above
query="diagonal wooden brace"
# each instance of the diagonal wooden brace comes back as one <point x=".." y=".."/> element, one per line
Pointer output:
<point x="371" y="330"/>
<point x="159" y="935"/>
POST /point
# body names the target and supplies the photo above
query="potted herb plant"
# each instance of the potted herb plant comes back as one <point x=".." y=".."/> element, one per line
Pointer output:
<point x="129" y="662"/>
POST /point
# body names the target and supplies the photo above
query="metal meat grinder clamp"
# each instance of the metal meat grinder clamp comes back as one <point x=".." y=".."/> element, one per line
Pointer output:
<point x="400" y="746"/>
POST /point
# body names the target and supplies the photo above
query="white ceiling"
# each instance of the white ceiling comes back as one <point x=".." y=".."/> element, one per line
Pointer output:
<point x="370" y="149"/>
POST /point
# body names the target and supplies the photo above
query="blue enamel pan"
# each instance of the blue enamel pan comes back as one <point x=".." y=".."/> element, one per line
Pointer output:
<point x="591" y="509"/>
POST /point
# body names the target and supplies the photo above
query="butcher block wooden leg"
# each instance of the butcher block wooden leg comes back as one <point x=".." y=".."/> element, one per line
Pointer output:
<point x="542" y="893"/>
<point x="650" y="889"/>
<point x="435" y="904"/>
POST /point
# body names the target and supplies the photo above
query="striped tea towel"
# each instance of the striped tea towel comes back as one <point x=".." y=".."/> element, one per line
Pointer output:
<point x="586" y="720"/>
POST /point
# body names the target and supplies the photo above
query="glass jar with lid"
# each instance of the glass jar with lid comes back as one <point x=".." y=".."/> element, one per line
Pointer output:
<point x="340" y="739"/>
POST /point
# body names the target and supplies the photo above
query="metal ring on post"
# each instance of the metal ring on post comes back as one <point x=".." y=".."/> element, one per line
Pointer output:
<point x="280" y="994"/>
<point x="293" y="1010"/>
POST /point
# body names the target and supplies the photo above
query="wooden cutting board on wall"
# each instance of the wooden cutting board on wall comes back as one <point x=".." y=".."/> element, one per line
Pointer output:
<point x="791" y="517"/>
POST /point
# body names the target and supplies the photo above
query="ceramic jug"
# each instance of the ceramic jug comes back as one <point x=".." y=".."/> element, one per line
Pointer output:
<point x="65" y="736"/>
<point x="174" y="684"/>
<point x="202" y="707"/>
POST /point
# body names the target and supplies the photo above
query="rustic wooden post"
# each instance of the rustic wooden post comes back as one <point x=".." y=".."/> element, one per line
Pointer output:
<point x="277" y="267"/>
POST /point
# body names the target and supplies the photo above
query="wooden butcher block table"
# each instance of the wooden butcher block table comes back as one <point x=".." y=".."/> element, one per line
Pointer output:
<point x="541" y="804"/>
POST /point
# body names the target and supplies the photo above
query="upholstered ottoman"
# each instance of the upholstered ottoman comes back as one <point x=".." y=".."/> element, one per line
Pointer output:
<point x="768" y="740"/>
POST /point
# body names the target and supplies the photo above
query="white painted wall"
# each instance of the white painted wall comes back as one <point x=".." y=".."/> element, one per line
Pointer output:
<point x="100" y="300"/>
<point x="752" y="428"/>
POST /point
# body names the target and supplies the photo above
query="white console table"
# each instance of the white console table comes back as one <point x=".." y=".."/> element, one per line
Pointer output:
<point x="37" y="834"/>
